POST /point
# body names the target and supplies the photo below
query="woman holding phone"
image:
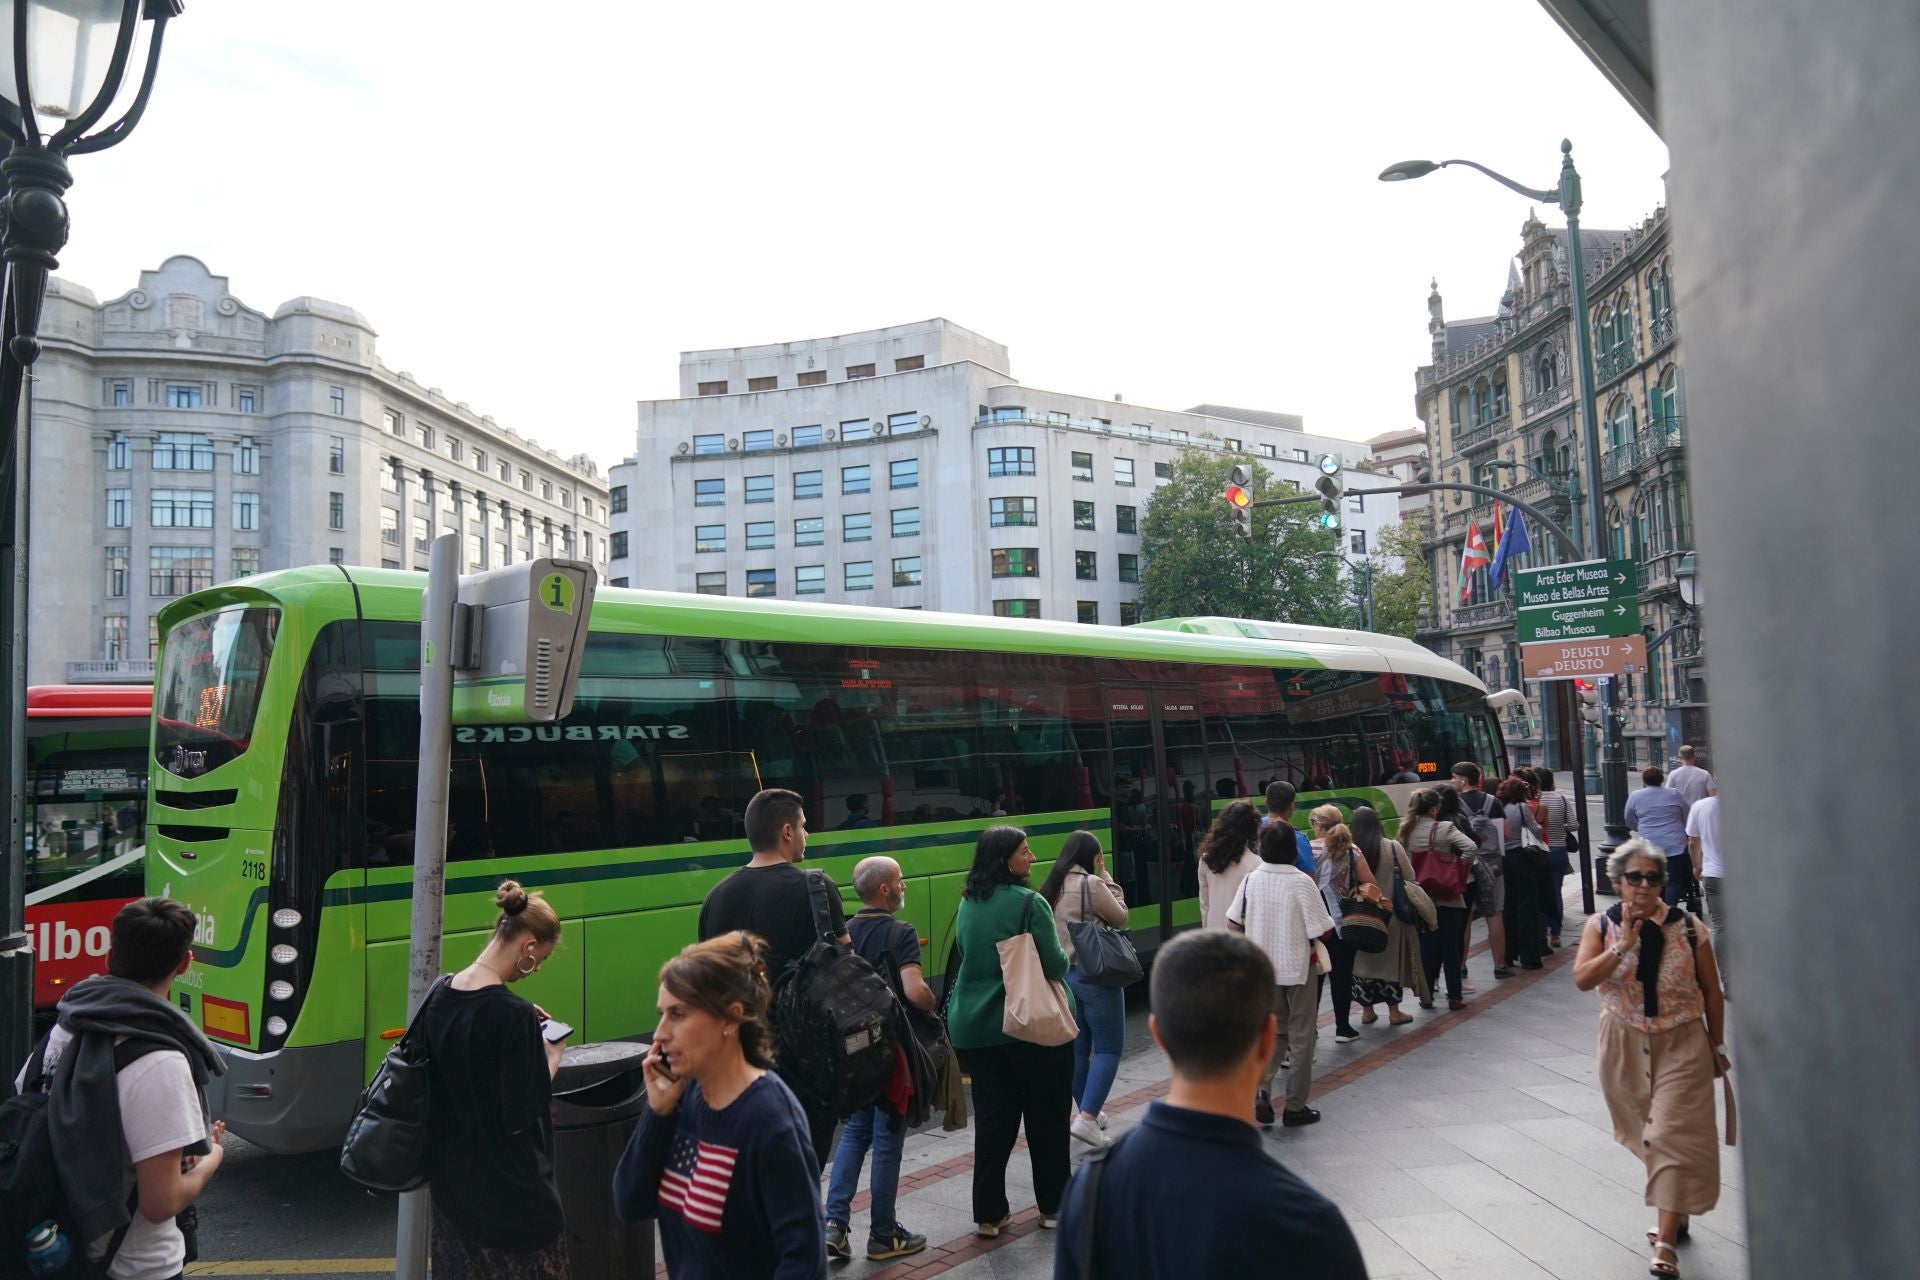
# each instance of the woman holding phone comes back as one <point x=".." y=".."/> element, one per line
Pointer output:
<point x="496" y="1206"/>
<point x="722" y="1156"/>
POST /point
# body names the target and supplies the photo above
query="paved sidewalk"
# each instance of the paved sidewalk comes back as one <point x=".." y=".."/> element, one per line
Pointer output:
<point x="1471" y="1144"/>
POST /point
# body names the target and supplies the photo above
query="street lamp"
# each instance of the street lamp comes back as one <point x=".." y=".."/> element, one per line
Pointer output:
<point x="64" y="65"/>
<point x="1362" y="575"/>
<point x="1613" y="767"/>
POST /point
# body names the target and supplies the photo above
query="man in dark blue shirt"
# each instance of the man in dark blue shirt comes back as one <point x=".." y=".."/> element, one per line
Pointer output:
<point x="1192" y="1190"/>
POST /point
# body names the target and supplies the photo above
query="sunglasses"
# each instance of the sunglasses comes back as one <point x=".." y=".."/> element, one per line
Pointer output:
<point x="1638" y="878"/>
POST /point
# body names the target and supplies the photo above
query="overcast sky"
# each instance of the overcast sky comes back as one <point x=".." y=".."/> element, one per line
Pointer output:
<point x="539" y="210"/>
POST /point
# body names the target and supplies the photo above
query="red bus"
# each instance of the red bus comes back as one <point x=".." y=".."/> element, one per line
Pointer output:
<point x="86" y="808"/>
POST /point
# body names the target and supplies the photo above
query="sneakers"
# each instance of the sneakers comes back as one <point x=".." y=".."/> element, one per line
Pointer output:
<point x="1294" y="1119"/>
<point x="1049" y="1221"/>
<point x="1102" y="1120"/>
<point x="988" y="1230"/>
<point x="899" y="1243"/>
<point x="1346" y="1035"/>
<point x="1263" y="1108"/>
<point x="1456" y="1005"/>
<point x="837" y="1247"/>
<point x="1088" y="1131"/>
<point x="1503" y="972"/>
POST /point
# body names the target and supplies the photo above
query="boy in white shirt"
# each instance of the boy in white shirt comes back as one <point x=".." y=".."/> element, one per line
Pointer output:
<point x="1279" y="907"/>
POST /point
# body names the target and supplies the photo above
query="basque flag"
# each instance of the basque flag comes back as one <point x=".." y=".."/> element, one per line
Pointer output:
<point x="1474" y="557"/>
<point x="1513" y="542"/>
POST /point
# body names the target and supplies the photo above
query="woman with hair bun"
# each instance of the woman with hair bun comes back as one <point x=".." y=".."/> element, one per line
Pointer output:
<point x="722" y="1157"/>
<point x="496" y="1206"/>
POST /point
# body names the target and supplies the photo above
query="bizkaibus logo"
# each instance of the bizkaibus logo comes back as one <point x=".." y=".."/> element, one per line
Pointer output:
<point x="573" y="733"/>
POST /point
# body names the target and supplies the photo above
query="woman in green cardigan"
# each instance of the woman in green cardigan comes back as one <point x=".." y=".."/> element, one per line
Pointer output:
<point x="1012" y="1080"/>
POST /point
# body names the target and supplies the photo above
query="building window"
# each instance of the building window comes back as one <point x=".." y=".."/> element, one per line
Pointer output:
<point x="906" y="522"/>
<point x="856" y="527"/>
<point x="1232" y="445"/>
<point x="1016" y="562"/>
<point x="246" y="457"/>
<point x="760" y="535"/>
<point x="856" y="429"/>
<point x="857" y="575"/>
<point x="1129" y="567"/>
<point x="119" y="508"/>
<point x="1013" y="511"/>
<point x="480" y="461"/>
<point x="422" y="534"/>
<point x="476" y="552"/>
<point x="389" y="478"/>
<point x="1357" y="542"/>
<point x="185" y="395"/>
<point x="390" y="527"/>
<point x="391" y="423"/>
<point x="455" y="450"/>
<point x="1266" y="451"/>
<point x="770" y="383"/>
<point x="117" y="559"/>
<point x="119" y="452"/>
<point x="713" y="388"/>
<point x="113" y="637"/>
<point x="423" y="435"/>
<point x="177" y="571"/>
<point x="586" y="506"/>
<point x="244" y="399"/>
<point x="907" y="364"/>
<point x="906" y="571"/>
<point x="811" y="377"/>
<point x="810" y="580"/>
<point x="709" y="537"/>
<point x="900" y="424"/>
<point x="903" y="473"/>
<point x="1055" y="418"/>
<point x="178" y="451"/>
<point x="122" y="395"/>
<point x="246" y="561"/>
<point x="617" y="500"/>
<point x="856" y="479"/>
<point x="1164" y="470"/>
<point x="1083" y="515"/>
<point x="1126" y="520"/>
<point x="1300" y="455"/>
<point x="339" y="397"/>
<point x="336" y="511"/>
<point x="526" y="481"/>
<point x="617" y="544"/>
<point x="759" y="488"/>
<point x="1010" y="462"/>
<point x="806" y="437"/>
<point x="809" y="531"/>
<point x="337" y="455"/>
<point x="336" y="555"/>
<point x="1123" y="471"/>
<point x="1086" y="566"/>
<point x="505" y="470"/>
<point x="706" y="493"/>
<point x="859" y="371"/>
<point x="1016" y="608"/>
<point x="180" y="509"/>
<point x="710" y="584"/>
<point x="806" y="484"/>
<point x="1087" y="611"/>
<point x="546" y="490"/>
<point x="756" y="441"/>
<point x="762" y="582"/>
<point x="713" y="443"/>
<point x="1083" y="466"/>
<point x="1129" y="612"/>
<point x="1009" y="413"/>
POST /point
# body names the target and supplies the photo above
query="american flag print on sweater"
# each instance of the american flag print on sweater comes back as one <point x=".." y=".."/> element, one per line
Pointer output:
<point x="696" y="1180"/>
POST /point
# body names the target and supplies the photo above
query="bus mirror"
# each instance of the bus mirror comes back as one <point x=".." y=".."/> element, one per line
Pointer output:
<point x="523" y="631"/>
<point x="1505" y="698"/>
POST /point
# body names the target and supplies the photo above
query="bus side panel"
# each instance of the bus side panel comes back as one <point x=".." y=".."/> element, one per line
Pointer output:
<point x="332" y="1011"/>
<point x="625" y="953"/>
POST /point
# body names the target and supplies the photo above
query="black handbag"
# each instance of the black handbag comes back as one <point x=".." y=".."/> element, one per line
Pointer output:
<point x="1403" y="908"/>
<point x="1104" y="956"/>
<point x="389" y="1145"/>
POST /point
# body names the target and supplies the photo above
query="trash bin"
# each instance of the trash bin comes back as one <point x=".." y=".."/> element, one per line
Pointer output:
<point x="598" y="1095"/>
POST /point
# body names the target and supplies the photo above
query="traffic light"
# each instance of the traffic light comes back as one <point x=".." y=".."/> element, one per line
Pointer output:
<point x="1239" y="496"/>
<point x="1589" y="700"/>
<point x="1330" y="487"/>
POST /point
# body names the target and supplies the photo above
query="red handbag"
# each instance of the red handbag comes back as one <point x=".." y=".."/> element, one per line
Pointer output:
<point x="1441" y="874"/>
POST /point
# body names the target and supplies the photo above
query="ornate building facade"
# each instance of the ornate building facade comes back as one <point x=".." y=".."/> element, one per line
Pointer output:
<point x="1501" y="407"/>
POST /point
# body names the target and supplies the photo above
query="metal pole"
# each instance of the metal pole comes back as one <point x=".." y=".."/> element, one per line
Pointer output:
<point x="1572" y="754"/>
<point x="16" y="949"/>
<point x="1613" y="769"/>
<point x="430" y="839"/>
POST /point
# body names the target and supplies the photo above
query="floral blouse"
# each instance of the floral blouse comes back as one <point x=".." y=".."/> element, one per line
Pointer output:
<point x="1680" y="1000"/>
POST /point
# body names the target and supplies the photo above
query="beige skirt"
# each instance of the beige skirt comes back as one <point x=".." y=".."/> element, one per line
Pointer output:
<point x="1659" y="1090"/>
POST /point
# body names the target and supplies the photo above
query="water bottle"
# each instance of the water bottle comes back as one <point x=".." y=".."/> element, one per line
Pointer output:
<point x="47" y="1250"/>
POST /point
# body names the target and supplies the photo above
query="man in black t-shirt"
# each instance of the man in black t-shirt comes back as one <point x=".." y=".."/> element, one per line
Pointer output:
<point x="769" y="896"/>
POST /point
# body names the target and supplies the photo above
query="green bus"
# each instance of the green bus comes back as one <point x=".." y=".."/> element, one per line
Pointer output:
<point x="286" y="727"/>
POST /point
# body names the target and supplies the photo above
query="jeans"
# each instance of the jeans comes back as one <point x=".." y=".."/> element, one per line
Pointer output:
<point x="1553" y="904"/>
<point x="1679" y="879"/>
<point x="1340" y="953"/>
<point x="1526" y="938"/>
<point x="866" y="1127"/>
<point x="1442" y="946"/>
<point x="1103" y="1034"/>
<point x="1713" y="894"/>
<point x="1012" y="1083"/>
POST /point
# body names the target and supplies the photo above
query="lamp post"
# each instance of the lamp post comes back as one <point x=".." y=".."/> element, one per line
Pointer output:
<point x="65" y="63"/>
<point x="1362" y="574"/>
<point x="1613" y="768"/>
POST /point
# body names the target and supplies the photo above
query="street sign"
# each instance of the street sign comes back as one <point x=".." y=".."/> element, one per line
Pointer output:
<point x="1619" y="616"/>
<point x="526" y="627"/>
<point x="1589" y="580"/>
<point x="1614" y="656"/>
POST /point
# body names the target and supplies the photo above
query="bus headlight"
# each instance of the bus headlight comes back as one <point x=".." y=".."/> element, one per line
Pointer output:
<point x="276" y="1026"/>
<point x="283" y="954"/>
<point x="286" y="918"/>
<point x="280" y="990"/>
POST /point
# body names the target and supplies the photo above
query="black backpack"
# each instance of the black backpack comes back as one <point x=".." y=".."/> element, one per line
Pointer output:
<point x="30" y="1191"/>
<point x="835" y="1020"/>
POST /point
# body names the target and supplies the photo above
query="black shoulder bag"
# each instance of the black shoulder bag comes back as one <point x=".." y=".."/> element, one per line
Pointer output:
<point x="389" y="1144"/>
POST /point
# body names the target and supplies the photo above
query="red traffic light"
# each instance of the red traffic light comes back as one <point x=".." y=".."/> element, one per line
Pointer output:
<point x="1238" y="495"/>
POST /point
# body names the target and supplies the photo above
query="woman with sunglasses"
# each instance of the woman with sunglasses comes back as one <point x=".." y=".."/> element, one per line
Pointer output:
<point x="1659" y="1046"/>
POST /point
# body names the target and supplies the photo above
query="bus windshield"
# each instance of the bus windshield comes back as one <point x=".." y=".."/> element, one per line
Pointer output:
<point x="209" y="688"/>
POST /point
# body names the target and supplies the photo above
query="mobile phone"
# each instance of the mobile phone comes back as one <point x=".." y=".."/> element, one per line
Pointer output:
<point x="659" y="1061"/>
<point x="555" y="1030"/>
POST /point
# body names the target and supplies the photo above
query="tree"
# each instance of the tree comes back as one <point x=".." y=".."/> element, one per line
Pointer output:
<point x="1399" y="597"/>
<point x="1194" y="566"/>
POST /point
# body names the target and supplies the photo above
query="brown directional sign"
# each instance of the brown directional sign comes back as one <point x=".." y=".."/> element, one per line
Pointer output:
<point x="1583" y="659"/>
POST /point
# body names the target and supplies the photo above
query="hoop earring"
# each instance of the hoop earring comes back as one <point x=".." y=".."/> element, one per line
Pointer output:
<point x="526" y="966"/>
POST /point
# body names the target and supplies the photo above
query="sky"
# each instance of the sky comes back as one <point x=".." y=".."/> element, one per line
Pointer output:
<point x="1176" y="204"/>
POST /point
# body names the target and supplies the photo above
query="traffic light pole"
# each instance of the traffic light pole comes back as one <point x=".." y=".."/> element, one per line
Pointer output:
<point x="1541" y="518"/>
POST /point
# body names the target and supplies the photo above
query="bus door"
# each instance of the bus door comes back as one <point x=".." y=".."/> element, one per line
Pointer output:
<point x="1160" y="800"/>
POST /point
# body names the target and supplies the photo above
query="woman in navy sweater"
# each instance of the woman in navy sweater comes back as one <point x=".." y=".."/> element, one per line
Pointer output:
<point x="722" y="1155"/>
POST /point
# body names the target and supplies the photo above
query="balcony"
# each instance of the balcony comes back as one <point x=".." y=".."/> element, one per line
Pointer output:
<point x="1534" y="406"/>
<point x="111" y="671"/>
<point x="1473" y="433"/>
<point x="1618" y="462"/>
<point x="1664" y="330"/>
<point x="1613" y="363"/>
<point x="1663" y="439"/>
<point x="1474" y="616"/>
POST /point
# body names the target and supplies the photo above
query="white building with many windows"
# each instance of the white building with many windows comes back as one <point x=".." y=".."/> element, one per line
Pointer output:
<point x="182" y="438"/>
<point x="906" y="467"/>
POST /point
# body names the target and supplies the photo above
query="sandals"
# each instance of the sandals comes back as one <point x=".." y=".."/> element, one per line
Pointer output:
<point x="1367" y="1015"/>
<point x="1663" y="1267"/>
<point x="1684" y="1234"/>
<point x="1395" y="1018"/>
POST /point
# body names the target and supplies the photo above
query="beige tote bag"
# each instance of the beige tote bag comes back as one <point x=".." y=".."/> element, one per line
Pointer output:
<point x="1036" y="1009"/>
